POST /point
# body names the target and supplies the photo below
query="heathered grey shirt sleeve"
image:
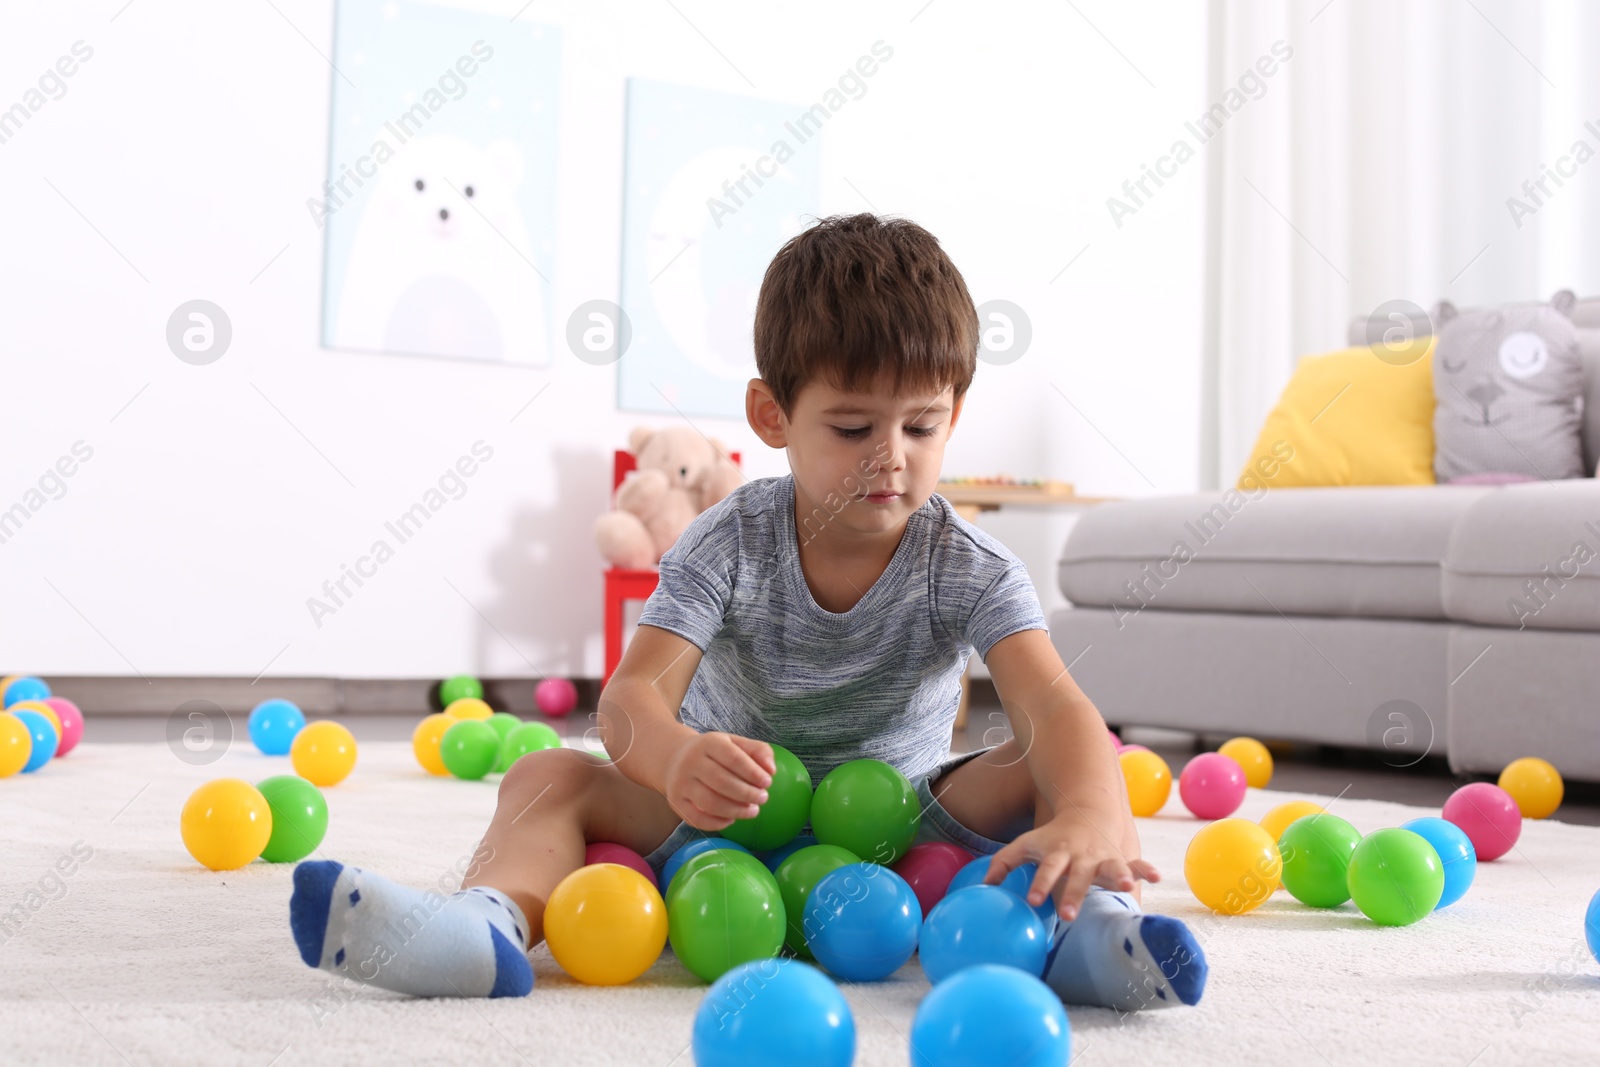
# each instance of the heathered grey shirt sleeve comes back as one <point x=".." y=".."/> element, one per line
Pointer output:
<point x="881" y="680"/>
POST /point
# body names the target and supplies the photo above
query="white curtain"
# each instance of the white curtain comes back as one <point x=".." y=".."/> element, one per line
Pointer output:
<point x="1376" y="163"/>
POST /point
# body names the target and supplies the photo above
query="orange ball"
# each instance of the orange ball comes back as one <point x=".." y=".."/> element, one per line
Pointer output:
<point x="1149" y="781"/>
<point x="425" y="742"/>
<point x="323" y="753"/>
<point x="1252" y="757"/>
<point x="226" y="824"/>
<point x="469" y="708"/>
<point x="605" y="924"/>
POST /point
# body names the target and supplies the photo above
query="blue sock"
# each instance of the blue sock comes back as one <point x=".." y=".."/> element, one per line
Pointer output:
<point x="1115" y="956"/>
<point x="358" y="924"/>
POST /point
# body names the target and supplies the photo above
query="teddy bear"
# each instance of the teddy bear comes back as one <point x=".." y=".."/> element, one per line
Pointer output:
<point x="680" y="473"/>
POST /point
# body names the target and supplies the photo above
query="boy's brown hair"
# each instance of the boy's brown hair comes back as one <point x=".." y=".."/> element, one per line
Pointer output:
<point x="855" y="297"/>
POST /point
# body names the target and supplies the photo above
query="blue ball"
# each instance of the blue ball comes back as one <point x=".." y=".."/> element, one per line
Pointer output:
<point x="689" y="852"/>
<point x="273" y="725"/>
<point x="25" y="689"/>
<point x="1017" y="882"/>
<point x="776" y="857"/>
<point x="991" y="1014"/>
<point x="862" y="921"/>
<point x="774" y="1011"/>
<point x="1591" y="925"/>
<point x="1459" y="858"/>
<point x="43" y="734"/>
<point x="981" y="924"/>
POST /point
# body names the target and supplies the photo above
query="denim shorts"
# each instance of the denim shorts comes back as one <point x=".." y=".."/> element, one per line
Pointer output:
<point x="936" y="824"/>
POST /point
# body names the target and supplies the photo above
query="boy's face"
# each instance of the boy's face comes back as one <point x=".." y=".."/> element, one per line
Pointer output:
<point x="848" y="450"/>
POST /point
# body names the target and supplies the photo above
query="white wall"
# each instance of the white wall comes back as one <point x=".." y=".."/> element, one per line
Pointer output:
<point x="177" y="166"/>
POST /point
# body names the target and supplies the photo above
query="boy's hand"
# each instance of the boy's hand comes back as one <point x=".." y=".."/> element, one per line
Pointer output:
<point x="1072" y="855"/>
<point x="714" y="779"/>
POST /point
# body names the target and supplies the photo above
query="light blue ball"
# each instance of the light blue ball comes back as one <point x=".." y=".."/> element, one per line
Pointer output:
<point x="1018" y="882"/>
<point x="774" y="1011"/>
<point x="274" y="724"/>
<point x="1456" y="854"/>
<point x="776" y="857"/>
<point x="1591" y="925"/>
<point x="991" y="1014"/>
<point x="689" y="852"/>
<point x="25" y="689"/>
<point x="981" y="924"/>
<point x="43" y="735"/>
<point x="862" y="921"/>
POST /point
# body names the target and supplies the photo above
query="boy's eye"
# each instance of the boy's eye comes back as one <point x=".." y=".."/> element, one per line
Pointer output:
<point x="861" y="431"/>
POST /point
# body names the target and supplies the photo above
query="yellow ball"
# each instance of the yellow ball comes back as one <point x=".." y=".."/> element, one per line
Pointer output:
<point x="1535" y="785"/>
<point x="605" y="924"/>
<point x="468" y="708"/>
<point x="1149" y="781"/>
<point x="1232" y="866"/>
<point x="226" y="823"/>
<point x="1276" y="821"/>
<point x="43" y="709"/>
<point x="16" y="744"/>
<point x="1253" y="756"/>
<point x="323" y="753"/>
<point x="425" y="742"/>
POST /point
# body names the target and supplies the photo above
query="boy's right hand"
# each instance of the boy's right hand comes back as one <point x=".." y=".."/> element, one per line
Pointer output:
<point x="714" y="779"/>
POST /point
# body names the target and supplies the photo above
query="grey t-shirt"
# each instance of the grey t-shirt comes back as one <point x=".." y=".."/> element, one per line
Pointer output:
<point x="882" y="680"/>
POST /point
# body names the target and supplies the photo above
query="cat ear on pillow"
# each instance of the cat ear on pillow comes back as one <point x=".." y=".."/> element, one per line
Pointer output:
<point x="1443" y="312"/>
<point x="1563" y="302"/>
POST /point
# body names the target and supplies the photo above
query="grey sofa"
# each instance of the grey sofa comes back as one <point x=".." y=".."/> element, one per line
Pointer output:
<point x="1453" y="620"/>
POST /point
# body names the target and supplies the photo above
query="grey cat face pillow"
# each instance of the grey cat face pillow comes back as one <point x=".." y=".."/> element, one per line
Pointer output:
<point x="1507" y="384"/>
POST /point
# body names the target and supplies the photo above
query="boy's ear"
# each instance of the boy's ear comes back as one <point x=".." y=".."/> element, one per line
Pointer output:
<point x="764" y="415"/>
<point x="955" y="410"/>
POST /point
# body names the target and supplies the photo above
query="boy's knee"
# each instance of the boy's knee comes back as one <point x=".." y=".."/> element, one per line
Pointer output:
<point x="557" y="775"/>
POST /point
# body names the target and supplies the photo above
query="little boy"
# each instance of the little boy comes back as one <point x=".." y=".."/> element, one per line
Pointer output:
<point x="831" y="611"/>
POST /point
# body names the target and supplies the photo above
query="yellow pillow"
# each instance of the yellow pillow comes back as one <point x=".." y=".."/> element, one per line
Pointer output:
<point x="1350" y="418"/>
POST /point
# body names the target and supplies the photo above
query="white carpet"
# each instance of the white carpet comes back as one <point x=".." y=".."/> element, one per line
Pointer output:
<point x="145" y="957"/>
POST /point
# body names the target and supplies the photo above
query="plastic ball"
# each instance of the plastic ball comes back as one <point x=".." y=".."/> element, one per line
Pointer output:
<point x="981" y="924"/>
<point x="468" y="708"/>
<point x="323" y="753"/>
<point x="555" y="697"/>
<point x="526" y="738"/>
<point x="867" y="807"/>
<point x="862" y="921"/>
<point x="722" y="911"/>
<point x="1535" y="785"/>
<point x="459" y="687"/>
<point x="1212" y="786"/>
<point x="225" y="824"/>
<point x="1252" y="757"/>
<point x="775" y="858"/>
<point x="1276" y="821"/>
<point x="797" y="877"/>
<point x="1116" y="742"/>
<point x="786" y="811"/>
<point x="1232" y="866"/>
<point x="42" y="735"/>
<point x="274" y="724"/>
<point x="991" y="1014"/>
<point x="299" y="817"/>
<point x="1591" y="925"/>
<point x="605" y="924"/>
<point x="610" y="852"/>
<point x="1316" y="853"/>
<point x="71" y="723"/>
<point x="1148" y="778"/>
<point x="685" y="853"/>
<point x="774" y="1011"/>
<point x="503" y="722"/>
<point x="469" y="749"/>
<point x="425" y="741"/>
<point x="16" y="744"/>
<point x="1488" y="815"/>
<point x="1132" y="748"/>
<point x="1395" y="877"/>
<point x="928" y="869"/>
<point x="1455" y="851"/>
<point x="39" y="707"/>
<point x="1018" y="880"/>
<point x="21" y="689"/>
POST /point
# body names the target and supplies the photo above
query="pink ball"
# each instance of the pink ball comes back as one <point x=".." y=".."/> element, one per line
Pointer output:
<point x="71" y="723"/>
<point x="1116" y="742"/>
<point x="606" y="852"/>
<point x="1488" y="816"/>
<point x="555" y="697"/>
<point x="928" y="868"/>
<point x="1212" y="785"/>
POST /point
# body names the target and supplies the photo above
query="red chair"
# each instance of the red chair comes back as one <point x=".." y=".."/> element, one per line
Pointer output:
<point x="626" y="583"/>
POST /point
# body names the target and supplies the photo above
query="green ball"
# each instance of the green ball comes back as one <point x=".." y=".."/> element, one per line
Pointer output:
<point x="469" y="749"/>
<point x="299" y="818"/>
<point x="797" y="877"/>
<point x="462" y="685"/>
<point x="1316" y="852"/>
<point x="523" y="739"/>
<point x="724" y="912"/>
<point x="866" y="807"/>
<point x="786" y="811"/>
<point x="503" y="722"/>
<point x="1395" y="877"/>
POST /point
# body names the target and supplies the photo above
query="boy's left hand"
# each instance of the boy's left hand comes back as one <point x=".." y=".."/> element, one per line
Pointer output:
<point x="1072" y="855"/>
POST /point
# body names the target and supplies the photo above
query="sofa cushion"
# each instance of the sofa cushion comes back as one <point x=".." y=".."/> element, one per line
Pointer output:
<point x="1358" y="550"/>
<point x="1527" y="556"/>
